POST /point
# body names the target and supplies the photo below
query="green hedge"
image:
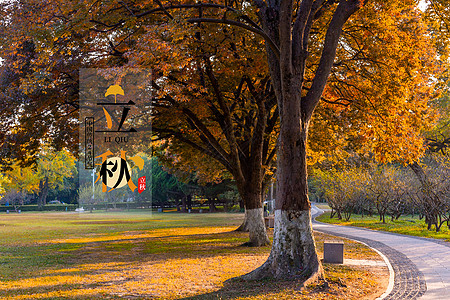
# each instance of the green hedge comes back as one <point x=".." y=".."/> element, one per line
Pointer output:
<point x="48" y="207"/>
<point x="120" y="205"/>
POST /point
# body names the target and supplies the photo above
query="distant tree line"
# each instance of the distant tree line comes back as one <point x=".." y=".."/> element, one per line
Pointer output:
<point x="388" y="191"/>
<point x="166" y="187"/>
<point x="53" y="177"/>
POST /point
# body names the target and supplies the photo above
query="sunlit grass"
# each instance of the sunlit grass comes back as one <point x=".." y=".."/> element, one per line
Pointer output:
<point x="404" y="225"/>
<point x="149" y="256"/>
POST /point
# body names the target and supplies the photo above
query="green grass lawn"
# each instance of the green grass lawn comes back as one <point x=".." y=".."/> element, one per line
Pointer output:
<point x="144" y="255"/>
<point x="405" y="225"/>
<point x="322" y="206"/>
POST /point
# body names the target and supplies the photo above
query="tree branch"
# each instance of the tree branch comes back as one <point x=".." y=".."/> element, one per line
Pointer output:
<point x="183" y="139"/>
<point x="298" y="32"/>
<point x="164" y="9"/>
<point x="260" y="32"/>
<point x="197" y="124"/>
<point x="187" y="6"/>
<point x="344" y="10"/>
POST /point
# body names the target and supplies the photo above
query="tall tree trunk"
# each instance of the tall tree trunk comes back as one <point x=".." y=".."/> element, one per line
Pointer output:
<point x="183" y="204"/>
<point x="43" y="192"/>
<point x="250" y="181"/>
<point x="293" y="252"/>
<point x="257" y="228"/>
<point x="212" y="206"/>
<point x="189" y="201"/>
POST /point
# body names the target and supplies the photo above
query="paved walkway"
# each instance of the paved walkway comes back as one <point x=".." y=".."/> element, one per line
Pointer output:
<point x="421" y="266"/>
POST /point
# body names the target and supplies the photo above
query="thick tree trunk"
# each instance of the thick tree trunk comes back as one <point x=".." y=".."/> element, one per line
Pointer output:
<point x="244" y="225"/>
<point x="256" y="228"/>
<point x="293" y="254"/>
<point x="254" y="218"/>
<point x="255" y="224"/>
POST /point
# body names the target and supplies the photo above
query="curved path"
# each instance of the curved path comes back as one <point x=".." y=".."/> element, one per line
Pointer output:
<point x="421" y="265"/>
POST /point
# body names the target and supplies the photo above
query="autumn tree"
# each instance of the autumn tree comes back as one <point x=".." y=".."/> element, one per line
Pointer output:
<point x="20" y="180"/>
<point x="305" y="42"/>
<point x="89" y="194"/>
<point x="39" y="79"/>
<point x="293" y="68"/>
<point x="52" y="168"/>
<point x="50" y="171"/>
<point x="235" y="129"/>
<point x="225" y="112"/>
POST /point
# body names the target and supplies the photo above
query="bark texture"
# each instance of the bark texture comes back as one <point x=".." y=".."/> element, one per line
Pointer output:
<point x="250" y="187"/>
<point x="244" y="226"/>
<point x="256" y="228"/>
<point x="293" y="252"/>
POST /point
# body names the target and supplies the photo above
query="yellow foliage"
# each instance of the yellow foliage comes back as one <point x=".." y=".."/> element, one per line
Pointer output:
<point x="55" y="166"/>
<point x="377" y="100"/>
<point x="22" y="179"/>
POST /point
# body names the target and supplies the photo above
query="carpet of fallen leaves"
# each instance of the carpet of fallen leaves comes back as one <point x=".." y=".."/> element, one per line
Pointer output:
<point x="161" y="262"/>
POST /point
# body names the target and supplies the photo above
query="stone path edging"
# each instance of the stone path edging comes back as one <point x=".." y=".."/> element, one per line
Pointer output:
<point x="408" y="283"/>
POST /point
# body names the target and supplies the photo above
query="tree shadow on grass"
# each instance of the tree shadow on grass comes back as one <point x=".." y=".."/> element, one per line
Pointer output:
<point x="160" y="248"/>
<point x="51" y="257"/>
<point x="268" y="288"/>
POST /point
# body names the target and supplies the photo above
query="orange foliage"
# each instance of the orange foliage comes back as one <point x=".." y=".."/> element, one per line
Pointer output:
<point x="377" y="101"/>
